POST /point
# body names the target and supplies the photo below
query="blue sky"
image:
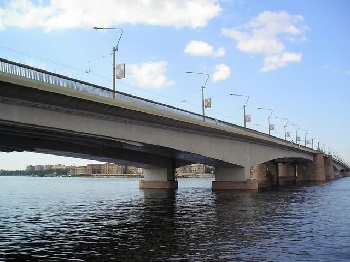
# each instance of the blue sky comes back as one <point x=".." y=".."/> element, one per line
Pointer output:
<point x="289" y="56"/>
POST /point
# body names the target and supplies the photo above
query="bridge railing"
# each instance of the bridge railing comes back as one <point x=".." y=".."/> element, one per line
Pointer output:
<point x="37" y="74"/>
<point x="41" y="75"/>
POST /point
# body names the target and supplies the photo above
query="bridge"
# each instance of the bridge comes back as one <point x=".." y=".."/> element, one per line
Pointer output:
<point x="50" y="113"/>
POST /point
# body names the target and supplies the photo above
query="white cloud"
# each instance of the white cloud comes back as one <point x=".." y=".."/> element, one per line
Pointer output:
<point x="89" y="13"/>
<point x="277" y="61"/>
<point x="150" y="75"/>
<point x="267" y="35"/>
<point x="200" y="48"/>
<point x="221" y="72"/>
<point x="22" y="13"/>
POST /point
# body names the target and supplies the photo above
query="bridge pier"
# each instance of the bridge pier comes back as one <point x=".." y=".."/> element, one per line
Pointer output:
<point x="314" y="171"/>
<point x="260" y="173"/>
<point x="158" y="178"/>
<point x="329" y="170"/>
<point x="272" y="174"/>
<point x="344" y="173"/>
<point x="266" y="174"/>
<point x="287" y="174"/>
<point x="233" y="178"/>
<point x="337" y="174"/>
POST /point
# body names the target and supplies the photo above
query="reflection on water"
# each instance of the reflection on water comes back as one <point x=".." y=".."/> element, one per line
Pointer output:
<point x="83" y="219"/>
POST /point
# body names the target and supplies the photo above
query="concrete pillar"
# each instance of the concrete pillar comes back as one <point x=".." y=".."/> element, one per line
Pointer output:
<point x="156" y="178"/>
<point x="259" y="173"/>
<point x="337" y="174"/>
<point x="266" y="174"/>
<point x="345" y="173"/>
<point x="233" y="178"/>
<point x="287" y="174"/>
<point x="329" y="170"/>
<point x="272" y="173"/>
<point x="314" y="171"/>
<point x="302" y="170"/>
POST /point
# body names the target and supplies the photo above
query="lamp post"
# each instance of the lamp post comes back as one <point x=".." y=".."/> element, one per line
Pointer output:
<point x="268" y="119"/>
<point x="318" y="144"/>
<point x="244" y="109"/>
<point x="296" y="132"/>
<point x="312" y="140"/>
<point x="306" y="132"/>
<point x="285" y="126"/>
<point x="114" y="50"/>
<point x="203" y="86"/>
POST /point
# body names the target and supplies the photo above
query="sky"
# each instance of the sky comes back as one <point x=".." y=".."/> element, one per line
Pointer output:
<point x="290" y="58"/>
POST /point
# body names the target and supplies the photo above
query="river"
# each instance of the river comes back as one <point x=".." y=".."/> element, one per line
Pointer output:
<point x="110" y="219"/>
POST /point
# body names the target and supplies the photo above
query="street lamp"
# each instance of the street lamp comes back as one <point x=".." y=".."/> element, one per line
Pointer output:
<point x="203" y="86"/>
<point x="318" y="144"/>
<point x="296" y="133"/>
<point x="270" y="126"/>
<point x="306" y="132"/>
<point x="114" y="50"/>
<point x="312" y="140"/>
<point x="244" y="107"/>
<point x="285" y="126"/>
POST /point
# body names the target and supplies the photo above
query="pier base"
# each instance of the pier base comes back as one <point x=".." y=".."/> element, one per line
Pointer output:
<point x="250" y="184"/>
<point x="287" y="174"/>
<point x="234" y="178"/>
<point x="158" y="178"/>
<point x="266" y="174"/>
<point x="314" y="171"/>
<point x="328" y="165"/>
<point x="344" y="173"/>
<point x="337" y="174"/>
<point x="158" y="184"/>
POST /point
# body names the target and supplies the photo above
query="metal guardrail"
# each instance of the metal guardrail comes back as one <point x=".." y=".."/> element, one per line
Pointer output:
<point x="10" y="67"/>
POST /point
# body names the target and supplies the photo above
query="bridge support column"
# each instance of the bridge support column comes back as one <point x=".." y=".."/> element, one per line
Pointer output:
<point x="328" y="165"/>
<point x="287" y="174"/>
<point x="260" y="173"/>
<point x="314" y="171"/>
<point x="337" y="174"/>
<point x="233" y="178"/>
<point x="344" y="173"/>
<point x="266" y="174"/>
<point x="158" y="178"/>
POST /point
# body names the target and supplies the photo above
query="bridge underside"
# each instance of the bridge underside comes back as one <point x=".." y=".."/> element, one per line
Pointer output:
<point x="19" y="137"/>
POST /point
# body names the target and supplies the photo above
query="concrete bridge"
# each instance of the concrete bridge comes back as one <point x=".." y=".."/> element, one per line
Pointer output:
<point x="50" y="113"/>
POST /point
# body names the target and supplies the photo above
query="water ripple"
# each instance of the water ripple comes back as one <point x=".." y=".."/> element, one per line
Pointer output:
<point x="50" y="219"/>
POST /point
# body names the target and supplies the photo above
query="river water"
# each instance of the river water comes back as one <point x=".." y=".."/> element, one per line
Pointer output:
<point x="110" y="219"/>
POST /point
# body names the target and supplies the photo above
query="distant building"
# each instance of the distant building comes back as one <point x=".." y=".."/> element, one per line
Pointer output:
<point x="39" y="168"/>
<point x="77" y="171"/>
<point x="48" y="167"/>
<point x="30" y="168"/>
<point x="116" y="169"/>
<point x="192" y="169"/>
<point x="108" y="169"/>
<point x="59" y="166"/>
